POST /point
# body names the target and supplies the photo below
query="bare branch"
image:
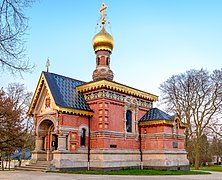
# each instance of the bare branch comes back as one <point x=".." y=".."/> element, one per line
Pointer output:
<point x="13" y="25"/>
<point x="198" y="96"/>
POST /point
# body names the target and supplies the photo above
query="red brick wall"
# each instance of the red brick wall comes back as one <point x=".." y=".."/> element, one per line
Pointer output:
<point x="72" y="120"/>
<point x="120" y="142"/>
<point x="153" y="140"/>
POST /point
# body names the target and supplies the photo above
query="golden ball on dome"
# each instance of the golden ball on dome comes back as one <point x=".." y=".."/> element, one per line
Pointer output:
<point x="103" y="41"/>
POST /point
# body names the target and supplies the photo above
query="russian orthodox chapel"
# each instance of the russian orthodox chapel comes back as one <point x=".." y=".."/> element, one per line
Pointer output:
<point x="103" y="124"/>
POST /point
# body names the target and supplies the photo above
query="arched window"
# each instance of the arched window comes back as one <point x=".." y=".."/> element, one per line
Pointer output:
<point x="98" y="61"/>
<point x="83" y="137"/>
<point x="128" y="121"/>
<point x="107" y="61"/>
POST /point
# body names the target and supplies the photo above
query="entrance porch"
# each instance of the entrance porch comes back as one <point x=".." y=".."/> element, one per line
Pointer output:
<point x="47" y="142"/>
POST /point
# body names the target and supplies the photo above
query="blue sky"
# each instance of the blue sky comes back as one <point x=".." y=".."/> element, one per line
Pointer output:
<point x="154" y="39"/>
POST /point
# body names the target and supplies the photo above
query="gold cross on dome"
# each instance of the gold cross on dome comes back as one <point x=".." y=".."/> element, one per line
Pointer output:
<point x="47" y="64"/>
<point x="103" y="15"/>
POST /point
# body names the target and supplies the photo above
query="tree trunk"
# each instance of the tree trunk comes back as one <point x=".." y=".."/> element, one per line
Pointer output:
<point x="6" y="164"/>
<point x="20" y="158"/>
<point x="197" y="161"/>
<point x="2" y="163"/>
<point x="197" y="155"/>
<point x="9" y="163"/>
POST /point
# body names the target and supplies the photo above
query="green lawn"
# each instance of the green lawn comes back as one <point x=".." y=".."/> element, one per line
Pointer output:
<point x="136" y="172"/>
<point x="210" y="168"/>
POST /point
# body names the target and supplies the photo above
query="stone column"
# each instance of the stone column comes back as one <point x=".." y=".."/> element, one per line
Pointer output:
<point x="48" y="145"/>
<point x="62" y="142"/>
<point x="38" y="143"/>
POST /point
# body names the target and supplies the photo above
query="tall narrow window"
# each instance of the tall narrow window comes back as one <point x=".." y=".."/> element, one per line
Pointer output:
<point x="83" y="137"/>
<point x="128" y="121"/>
<point x="98" y="61"/>
<point x="67" y="136"/>
<point x="43" y="143"/>
<point x="107" y="61"/>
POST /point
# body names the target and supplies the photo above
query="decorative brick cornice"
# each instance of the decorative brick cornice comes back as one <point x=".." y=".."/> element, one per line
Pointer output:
<point x="112" y="133"/>
<point x="116" y="87"/>
<point x="116" y="97"/>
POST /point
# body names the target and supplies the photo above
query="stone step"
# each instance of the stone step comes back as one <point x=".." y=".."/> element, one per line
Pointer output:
<point x="35" y="165"/>
<point x="42" y="162"/>
<point x="25" y="168"/>
<point x="38" y="166"/>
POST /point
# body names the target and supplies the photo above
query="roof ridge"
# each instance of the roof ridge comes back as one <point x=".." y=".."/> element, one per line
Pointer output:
<point x="63" y="76"/>
<point x="121" y="84"/>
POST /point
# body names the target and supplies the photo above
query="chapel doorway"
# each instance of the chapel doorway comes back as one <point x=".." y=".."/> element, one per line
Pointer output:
<point x="47" y="132"/>
<point x="54" y="142"/>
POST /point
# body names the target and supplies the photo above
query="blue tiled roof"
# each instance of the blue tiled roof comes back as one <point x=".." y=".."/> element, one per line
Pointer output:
<point x="156" y="114"/>
<point x="64" y="91"/>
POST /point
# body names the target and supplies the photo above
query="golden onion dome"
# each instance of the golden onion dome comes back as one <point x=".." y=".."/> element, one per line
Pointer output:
<point x="103" y="41"/>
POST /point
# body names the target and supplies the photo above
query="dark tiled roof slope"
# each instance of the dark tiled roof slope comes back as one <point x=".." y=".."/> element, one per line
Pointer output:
<point x="156" y="114"/>
<point x="64" y="91"/>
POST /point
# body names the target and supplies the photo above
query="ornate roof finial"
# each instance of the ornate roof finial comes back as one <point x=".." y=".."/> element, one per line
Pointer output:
<point x="103" y="40"/>
<point x="103" y="15"/>
<point x="47" y="64"/>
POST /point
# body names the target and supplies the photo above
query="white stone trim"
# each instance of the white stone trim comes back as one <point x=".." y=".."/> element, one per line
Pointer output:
<point x="131" y="104"/>
<point x="68" y="128"/>
<point x="81" y="127"/>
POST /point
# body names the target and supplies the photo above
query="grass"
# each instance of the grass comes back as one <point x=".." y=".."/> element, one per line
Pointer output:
<point x="211" y="168"/>
<point x="136" y="172"/>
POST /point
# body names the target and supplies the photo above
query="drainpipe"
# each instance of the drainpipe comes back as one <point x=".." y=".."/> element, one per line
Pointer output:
<point x="88" y="163"/>
<point x="141" y="153"/>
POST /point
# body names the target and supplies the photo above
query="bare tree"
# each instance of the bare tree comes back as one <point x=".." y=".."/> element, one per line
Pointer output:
<point x="10" y="126"/>
<point x="20" y="96"/>
<point x="21" y="100"/>
<point x="13" y="25"/>
<point x="15" y="128"/>
<point x="197" y="96"/>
